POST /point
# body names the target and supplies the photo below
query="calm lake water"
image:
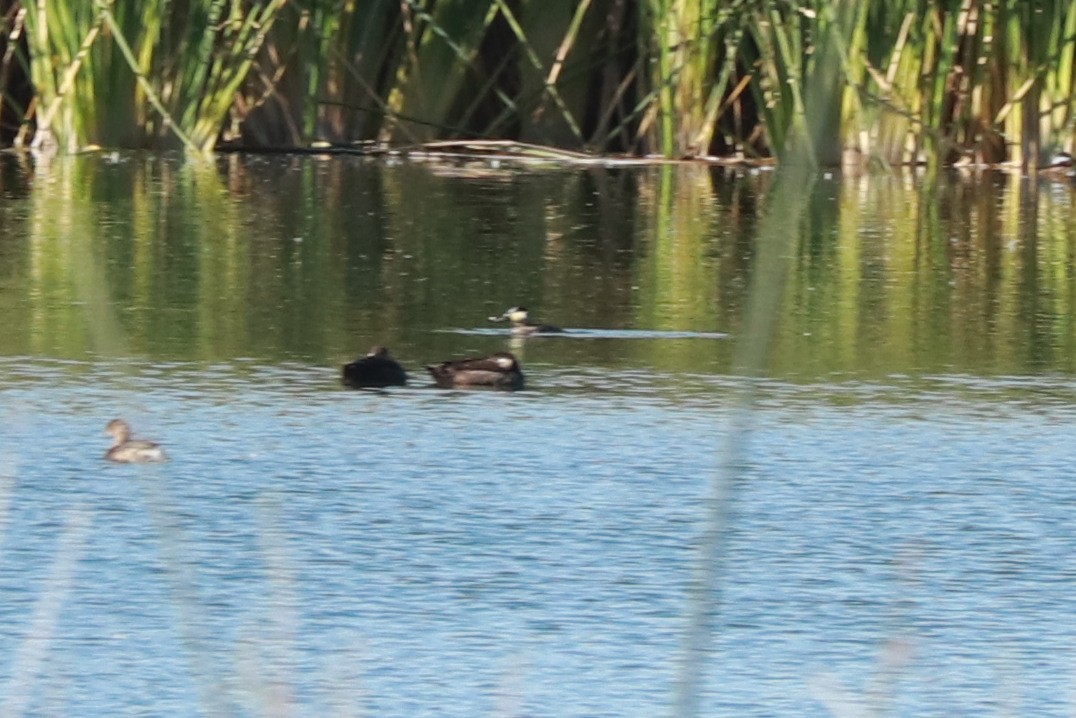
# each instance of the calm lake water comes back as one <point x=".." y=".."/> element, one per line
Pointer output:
<point x="901" y="534"/>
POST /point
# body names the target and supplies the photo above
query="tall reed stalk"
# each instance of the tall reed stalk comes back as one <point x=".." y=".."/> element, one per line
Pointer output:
<point x="128" y="73"/>
<point x="936" y="81"/>
<point x="685" y="51"/>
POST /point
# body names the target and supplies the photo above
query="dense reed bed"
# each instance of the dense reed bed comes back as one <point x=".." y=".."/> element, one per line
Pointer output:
<point x="904" y="81"/>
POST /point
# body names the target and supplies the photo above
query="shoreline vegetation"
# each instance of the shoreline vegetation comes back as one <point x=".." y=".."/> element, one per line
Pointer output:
<point x="867" y="82"/>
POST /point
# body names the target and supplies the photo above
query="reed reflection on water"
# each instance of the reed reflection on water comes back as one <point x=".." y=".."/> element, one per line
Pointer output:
<point x="423" y="552"/>
<point x="318" y="260"/>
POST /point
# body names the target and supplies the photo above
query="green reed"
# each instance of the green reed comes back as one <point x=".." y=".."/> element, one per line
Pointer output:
<point x="937" y="81"/>
<point x="133" y="74"/>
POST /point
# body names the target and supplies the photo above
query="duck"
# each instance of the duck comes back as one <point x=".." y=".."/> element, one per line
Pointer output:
<point x="521" y="323"/>
<point x="376" y="369"/>
<point x="1061" y="163"/>
<point x="500" y="370"/>
<point x="126" y="450"/>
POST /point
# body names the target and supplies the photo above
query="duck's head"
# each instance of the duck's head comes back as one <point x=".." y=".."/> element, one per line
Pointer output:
<point x="119" y="430"/>
<point x="378" y="351"/>
<point x="1060" y="159"/>
<point x="516" y="315"/>
<point x="505" y="360"/>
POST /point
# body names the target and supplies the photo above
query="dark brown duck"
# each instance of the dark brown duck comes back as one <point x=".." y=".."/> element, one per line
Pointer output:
<point x="376" y="369"/>
<point x="500" y="370"/>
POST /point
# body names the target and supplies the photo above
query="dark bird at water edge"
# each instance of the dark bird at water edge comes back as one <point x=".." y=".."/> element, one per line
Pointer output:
<point x="376" y="369"/>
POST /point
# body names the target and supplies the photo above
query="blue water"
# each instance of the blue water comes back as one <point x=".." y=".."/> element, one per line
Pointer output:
<point x="900" y="535"/>
<point x="416" y="552"/>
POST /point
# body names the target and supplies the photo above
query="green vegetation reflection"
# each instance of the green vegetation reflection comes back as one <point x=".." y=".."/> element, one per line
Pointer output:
<point x="317" y="260"/>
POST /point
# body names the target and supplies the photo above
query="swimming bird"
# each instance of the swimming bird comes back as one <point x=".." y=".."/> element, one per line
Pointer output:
<point x="1060" y="159"/>
<point x="1061" y="163"/>
<point x="499" y="370"/>
<point x="521" y="323"/>
<point x="127" y="450"/>
<point x="376" y="369"/>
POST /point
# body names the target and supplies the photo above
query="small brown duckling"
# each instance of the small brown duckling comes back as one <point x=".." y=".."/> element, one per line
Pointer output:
<point x="130" y="451"/>
<point x="376" y="369"/>
<point x="500" y="370"/>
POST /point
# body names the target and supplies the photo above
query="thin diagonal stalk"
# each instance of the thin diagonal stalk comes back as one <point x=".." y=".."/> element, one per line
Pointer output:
<point x="778" y="230"/>
<point x="32" y="653"/>
<point x="550" y="88"/>
<point x="117" y="37"/>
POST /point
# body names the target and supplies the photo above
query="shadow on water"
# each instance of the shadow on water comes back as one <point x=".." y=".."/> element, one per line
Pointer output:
<point x="468" y="549"/>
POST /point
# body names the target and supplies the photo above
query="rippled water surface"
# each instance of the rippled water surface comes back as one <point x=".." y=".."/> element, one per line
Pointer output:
<point x="900" y="534"/>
